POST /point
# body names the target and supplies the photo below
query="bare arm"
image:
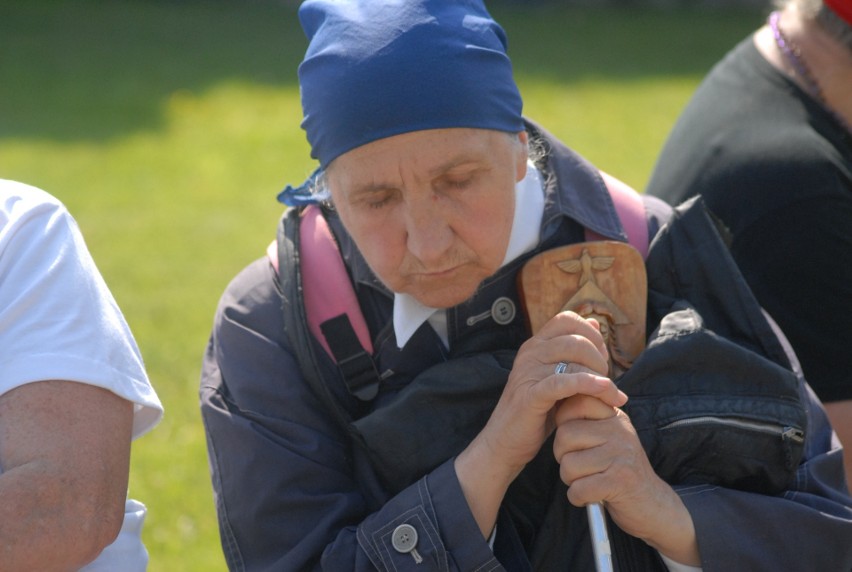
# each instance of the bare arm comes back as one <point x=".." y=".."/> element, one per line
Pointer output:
<point x="65" y="454"/>
<point x="840" y="416"/>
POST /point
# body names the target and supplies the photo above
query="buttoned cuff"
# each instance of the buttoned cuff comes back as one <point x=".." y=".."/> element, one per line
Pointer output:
<point x="428" y="526"/>
<point x="461" y="533"/>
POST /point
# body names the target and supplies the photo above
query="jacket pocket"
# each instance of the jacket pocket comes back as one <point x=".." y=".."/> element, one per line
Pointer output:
<point x="710" y="411"/>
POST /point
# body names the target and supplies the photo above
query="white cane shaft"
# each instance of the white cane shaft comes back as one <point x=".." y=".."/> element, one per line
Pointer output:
<point x="600" y="537"/>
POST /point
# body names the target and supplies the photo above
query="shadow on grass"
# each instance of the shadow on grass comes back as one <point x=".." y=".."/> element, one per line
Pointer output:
<point x="97" y="69"/>
<point x="621" y="44"/>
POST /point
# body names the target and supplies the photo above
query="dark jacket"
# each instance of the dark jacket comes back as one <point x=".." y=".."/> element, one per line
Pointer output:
<point x="295" y="491"/>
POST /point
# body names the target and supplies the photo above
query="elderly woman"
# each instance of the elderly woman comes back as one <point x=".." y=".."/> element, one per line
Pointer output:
<point x="454" y="448"/>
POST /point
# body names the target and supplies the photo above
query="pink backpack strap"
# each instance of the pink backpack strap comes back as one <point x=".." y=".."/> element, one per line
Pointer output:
<point x="330" y="293"/>
<point x="631" y="212"/>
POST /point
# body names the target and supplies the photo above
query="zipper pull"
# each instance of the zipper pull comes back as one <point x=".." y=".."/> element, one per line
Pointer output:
<point x="793" y="434"/>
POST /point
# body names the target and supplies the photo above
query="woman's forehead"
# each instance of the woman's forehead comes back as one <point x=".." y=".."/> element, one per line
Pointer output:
<point x="432" y="151"/>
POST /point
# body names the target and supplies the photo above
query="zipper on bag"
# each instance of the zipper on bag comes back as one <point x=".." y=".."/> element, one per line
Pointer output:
<point x="786" y="432"/>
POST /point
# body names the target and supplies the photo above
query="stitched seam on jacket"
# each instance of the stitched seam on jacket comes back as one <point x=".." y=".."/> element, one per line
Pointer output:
<point x="426" y="501"/>
<point x="364" y="542"/>
<point x="380" y="534"/>
<point x="230" y="546"/>
<point x="490" y="565"/>
<point x="696" y="490"/>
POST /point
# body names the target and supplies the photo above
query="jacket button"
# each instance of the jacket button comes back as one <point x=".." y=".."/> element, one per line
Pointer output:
<point x="404" y="538"/>
<point x="503" y="310"/>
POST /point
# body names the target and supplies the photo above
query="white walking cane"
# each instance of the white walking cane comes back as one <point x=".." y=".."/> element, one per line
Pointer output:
<point x="595" y="511"/>
<point x="600" y="537"/>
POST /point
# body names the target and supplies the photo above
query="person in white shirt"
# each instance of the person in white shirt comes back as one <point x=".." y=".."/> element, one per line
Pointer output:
<point x="73" y="394"/>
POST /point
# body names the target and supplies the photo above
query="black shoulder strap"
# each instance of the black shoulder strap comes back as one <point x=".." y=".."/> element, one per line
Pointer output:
<point x="357" y="366"/>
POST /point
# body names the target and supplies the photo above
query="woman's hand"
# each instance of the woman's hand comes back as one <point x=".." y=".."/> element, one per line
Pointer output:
<point x="524" y="415"/>
<point x="524" y="418"/>
<point x="601" y="459"/>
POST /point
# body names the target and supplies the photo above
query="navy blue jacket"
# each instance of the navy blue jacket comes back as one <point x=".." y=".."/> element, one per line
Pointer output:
<point x="293" y="493"/>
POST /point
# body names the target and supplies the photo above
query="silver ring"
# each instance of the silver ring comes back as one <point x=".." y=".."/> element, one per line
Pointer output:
<point x="560" y="367"/>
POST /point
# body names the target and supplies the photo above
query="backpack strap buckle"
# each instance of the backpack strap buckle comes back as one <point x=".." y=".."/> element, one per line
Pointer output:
<point x="356" y="365"/>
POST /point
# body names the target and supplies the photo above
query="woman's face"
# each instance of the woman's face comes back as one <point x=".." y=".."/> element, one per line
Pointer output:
<point x="431" y="211"/>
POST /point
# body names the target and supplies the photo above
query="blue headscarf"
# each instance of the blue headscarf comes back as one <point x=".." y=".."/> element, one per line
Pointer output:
<point x="377" y="68"/>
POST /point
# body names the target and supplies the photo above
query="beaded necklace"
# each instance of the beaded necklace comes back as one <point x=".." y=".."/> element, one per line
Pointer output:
<point x="794" y="55"/>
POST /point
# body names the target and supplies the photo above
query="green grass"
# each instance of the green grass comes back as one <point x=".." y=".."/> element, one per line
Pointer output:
<point x="168" y="127"/>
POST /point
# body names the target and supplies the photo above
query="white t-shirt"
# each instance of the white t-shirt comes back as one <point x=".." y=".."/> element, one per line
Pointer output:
<point x="58" y="320"/>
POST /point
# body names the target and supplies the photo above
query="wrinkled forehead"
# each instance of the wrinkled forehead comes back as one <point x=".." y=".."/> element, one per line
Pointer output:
<point x="424" y="154"/>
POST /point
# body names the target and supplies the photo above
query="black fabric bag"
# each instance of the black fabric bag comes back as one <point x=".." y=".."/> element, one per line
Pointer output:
<point x="710" y="411"/>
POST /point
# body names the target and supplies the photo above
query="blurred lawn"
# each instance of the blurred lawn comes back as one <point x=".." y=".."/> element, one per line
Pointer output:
<point x="167" y="127"/>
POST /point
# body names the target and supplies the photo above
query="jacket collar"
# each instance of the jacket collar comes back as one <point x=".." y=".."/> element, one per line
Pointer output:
<point x="567" y="183"/>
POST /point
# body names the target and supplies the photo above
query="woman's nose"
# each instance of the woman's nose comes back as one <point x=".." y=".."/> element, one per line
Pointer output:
<point x="429" y="234"/>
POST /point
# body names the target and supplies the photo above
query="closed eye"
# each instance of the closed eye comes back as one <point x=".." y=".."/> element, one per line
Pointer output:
<point x="458" y="181"/>
<point x="377" y="204"/>
<point x="377" y="198"/>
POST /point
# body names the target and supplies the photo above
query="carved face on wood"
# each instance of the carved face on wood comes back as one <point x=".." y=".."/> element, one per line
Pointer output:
<point x="602" y="280"/>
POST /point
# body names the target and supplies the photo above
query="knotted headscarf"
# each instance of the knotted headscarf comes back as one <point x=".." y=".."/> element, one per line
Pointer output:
<point x="377" y="68"/>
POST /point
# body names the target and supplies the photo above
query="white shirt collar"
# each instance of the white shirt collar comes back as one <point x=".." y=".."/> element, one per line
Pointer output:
<point x="409" y="314"/>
